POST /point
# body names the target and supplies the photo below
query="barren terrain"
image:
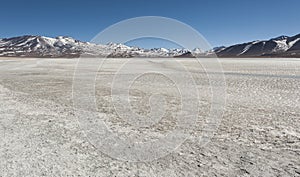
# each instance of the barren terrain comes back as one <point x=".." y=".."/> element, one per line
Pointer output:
<point x="258" y="134"/>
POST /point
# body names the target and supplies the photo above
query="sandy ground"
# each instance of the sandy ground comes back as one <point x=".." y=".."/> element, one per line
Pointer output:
<point x="258" y="135"/>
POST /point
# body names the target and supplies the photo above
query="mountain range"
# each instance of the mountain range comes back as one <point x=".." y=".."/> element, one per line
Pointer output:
<point x="40" y="46"/>
<point x="282" y="46"/>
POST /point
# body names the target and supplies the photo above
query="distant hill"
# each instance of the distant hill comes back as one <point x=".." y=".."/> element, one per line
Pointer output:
<point x="282" y="46"/>
<point x="40" y="46"/>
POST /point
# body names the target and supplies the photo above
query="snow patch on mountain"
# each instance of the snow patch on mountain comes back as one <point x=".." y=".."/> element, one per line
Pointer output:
<point x="291" y="43"/>
<point x="281" y="45"/>
<point x="246" y="49"/>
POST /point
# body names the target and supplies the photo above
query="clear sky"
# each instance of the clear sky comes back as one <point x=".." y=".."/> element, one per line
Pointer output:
<point x="221" y="22"/>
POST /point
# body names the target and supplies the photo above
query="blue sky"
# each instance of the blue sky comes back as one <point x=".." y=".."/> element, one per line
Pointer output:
<point x="221" y="22"/>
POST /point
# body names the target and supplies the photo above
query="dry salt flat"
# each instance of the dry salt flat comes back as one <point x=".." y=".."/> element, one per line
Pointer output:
<point x="258" y="134"/>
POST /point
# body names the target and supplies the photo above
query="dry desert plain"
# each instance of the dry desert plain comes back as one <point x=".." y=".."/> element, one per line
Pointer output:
<point x="258" y="132"/>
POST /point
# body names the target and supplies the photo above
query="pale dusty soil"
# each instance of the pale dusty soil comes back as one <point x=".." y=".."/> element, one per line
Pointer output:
<point x="259" y="133"/>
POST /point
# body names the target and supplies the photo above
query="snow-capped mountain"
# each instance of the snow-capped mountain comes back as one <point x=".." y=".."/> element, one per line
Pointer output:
<point x="282" y="46"/>
<point x="40" y="46"/>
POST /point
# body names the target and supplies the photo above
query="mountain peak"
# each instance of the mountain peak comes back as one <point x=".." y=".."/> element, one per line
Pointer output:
<point x="280" y="37"/>
<point x="197" y="50"/>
